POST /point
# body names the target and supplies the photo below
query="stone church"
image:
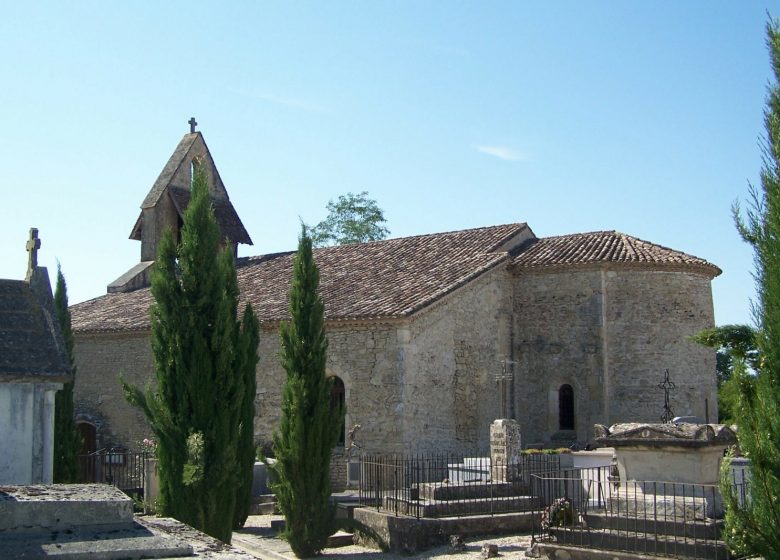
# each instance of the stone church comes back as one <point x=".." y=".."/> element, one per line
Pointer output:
<point x="432" y="337"/>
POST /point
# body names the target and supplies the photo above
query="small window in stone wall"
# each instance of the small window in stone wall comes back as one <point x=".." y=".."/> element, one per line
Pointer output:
<point x="337" y="398"/>
<point x="566" y="407"/>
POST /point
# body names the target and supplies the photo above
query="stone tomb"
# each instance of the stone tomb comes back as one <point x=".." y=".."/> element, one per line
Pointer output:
<point x="78" y="521"/>
<point x="668" y="470"/>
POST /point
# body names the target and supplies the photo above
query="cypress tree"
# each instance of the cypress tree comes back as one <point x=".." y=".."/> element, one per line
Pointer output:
<point x="309" y="428"/>
<point x="202" y="359"/>
<point x="67" y="442"/>
<point x="753" y="527"/>
<point x="246" y="437"/>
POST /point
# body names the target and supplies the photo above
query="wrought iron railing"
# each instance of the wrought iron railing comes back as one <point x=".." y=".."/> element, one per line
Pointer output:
<point x="121" y="468"/>
<point x="447" y="485"/>
<point x="593" y="509"/>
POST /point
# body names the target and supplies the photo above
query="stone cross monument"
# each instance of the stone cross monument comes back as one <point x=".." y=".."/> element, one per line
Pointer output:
<point x="33" y="244"/>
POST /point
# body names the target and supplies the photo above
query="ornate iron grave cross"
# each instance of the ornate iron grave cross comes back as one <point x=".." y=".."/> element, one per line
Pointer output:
<point x="503" y="379"/>
<point x="667" y="385"/>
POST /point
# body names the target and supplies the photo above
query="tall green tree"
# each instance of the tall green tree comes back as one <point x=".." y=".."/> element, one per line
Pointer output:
<point x="309" y="427"/>
<point x="204" y="361"/>
<point x="246" y="450"/>
<point x="753" y="527"/>
<point x="353" y="218"/>
<point x="67" y="442"/>
<point x="732" y="342"/>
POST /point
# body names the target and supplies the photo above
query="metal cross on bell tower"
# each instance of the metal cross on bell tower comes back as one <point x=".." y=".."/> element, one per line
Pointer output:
<point x="667" y="385"/>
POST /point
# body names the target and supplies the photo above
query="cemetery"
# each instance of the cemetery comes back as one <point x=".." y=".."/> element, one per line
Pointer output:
<point x="651" y="489"/>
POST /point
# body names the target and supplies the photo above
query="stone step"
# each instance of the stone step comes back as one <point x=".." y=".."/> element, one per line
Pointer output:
<point x="264" y="499"/>
<point x="264" y="505"/>
<point x="264" y="509"/>
<point x="641" y="543"/>
<point x="706" y="530"/>
<point x="477" y="506"/>
<point x="107" y="542"/>
<point x="62" y="506"/>
<point x="444" y="491"/>
<point x="339" y="539"/>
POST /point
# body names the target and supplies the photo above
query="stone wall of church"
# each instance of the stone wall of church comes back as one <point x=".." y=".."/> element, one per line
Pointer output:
<point x="424" y="384"/>
<point x="610" y="334"/>
<point x="366" y="359"/>
<point x="650" y="316"/>
<point x="98" y="399"/>
<point x="451" y="354"/>
<point x="557" y="340"/>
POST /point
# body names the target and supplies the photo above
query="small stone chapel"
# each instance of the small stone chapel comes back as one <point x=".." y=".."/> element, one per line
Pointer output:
<point x="432" y="337"/>
<point x="33" y="367"/>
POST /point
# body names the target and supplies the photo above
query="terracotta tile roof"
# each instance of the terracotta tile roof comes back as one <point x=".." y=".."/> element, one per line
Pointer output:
<point x="587" y="249"/>
<point x="383" y="279"/>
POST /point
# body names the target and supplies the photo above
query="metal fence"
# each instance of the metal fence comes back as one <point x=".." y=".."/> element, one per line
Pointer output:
<point x="591" y="508"/>
<point x="121" y="468"/>
<point x="447" y="485"/>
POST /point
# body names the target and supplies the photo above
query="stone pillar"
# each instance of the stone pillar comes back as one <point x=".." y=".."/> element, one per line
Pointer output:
<point x="151" y="485"/>
<point x="47" y="472"/>
<point x="505" y="446"/>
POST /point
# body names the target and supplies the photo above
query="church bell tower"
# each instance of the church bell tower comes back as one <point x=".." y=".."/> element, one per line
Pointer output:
<point x="164" y="206"/>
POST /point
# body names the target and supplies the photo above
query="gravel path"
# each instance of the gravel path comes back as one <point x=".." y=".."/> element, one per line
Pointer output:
<point x="258" y="532"/>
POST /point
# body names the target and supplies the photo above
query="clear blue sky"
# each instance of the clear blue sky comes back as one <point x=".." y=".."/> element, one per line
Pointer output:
<point x="638" y="116"/>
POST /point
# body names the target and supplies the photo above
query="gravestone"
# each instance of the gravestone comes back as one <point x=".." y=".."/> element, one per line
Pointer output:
<point x="505" y="447"/>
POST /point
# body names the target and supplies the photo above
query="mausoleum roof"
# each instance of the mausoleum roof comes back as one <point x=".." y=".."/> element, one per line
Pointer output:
<point x="601" y="247"/>
<point x="31" y="346"/>
<point x="383" y="279"/>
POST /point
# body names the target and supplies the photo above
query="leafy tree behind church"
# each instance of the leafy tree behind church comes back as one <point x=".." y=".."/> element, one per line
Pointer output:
<point x="204" y="362"/>
<point x="309" y="427"/>
<point x="753" y="527"/>
<point x="67" y="442"/>
<point x="353" y="218"/>
<point x="734" y="343"/>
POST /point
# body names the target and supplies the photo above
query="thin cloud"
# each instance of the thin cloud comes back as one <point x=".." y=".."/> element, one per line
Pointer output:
<point x="502" y="152"/>
<point x="286" y="101"/>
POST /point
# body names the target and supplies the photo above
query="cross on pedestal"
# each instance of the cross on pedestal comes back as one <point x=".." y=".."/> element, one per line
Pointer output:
<point x="503" y="379"/>
<point x="33" y="244"/>
<point x="667" y="386"/>
<point x="193" y="123"/>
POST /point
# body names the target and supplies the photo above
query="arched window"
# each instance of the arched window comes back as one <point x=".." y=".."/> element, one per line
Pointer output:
<point x="565" y="408"/>
<point x="337" y="398"/>
<point x="88" y="435"/>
